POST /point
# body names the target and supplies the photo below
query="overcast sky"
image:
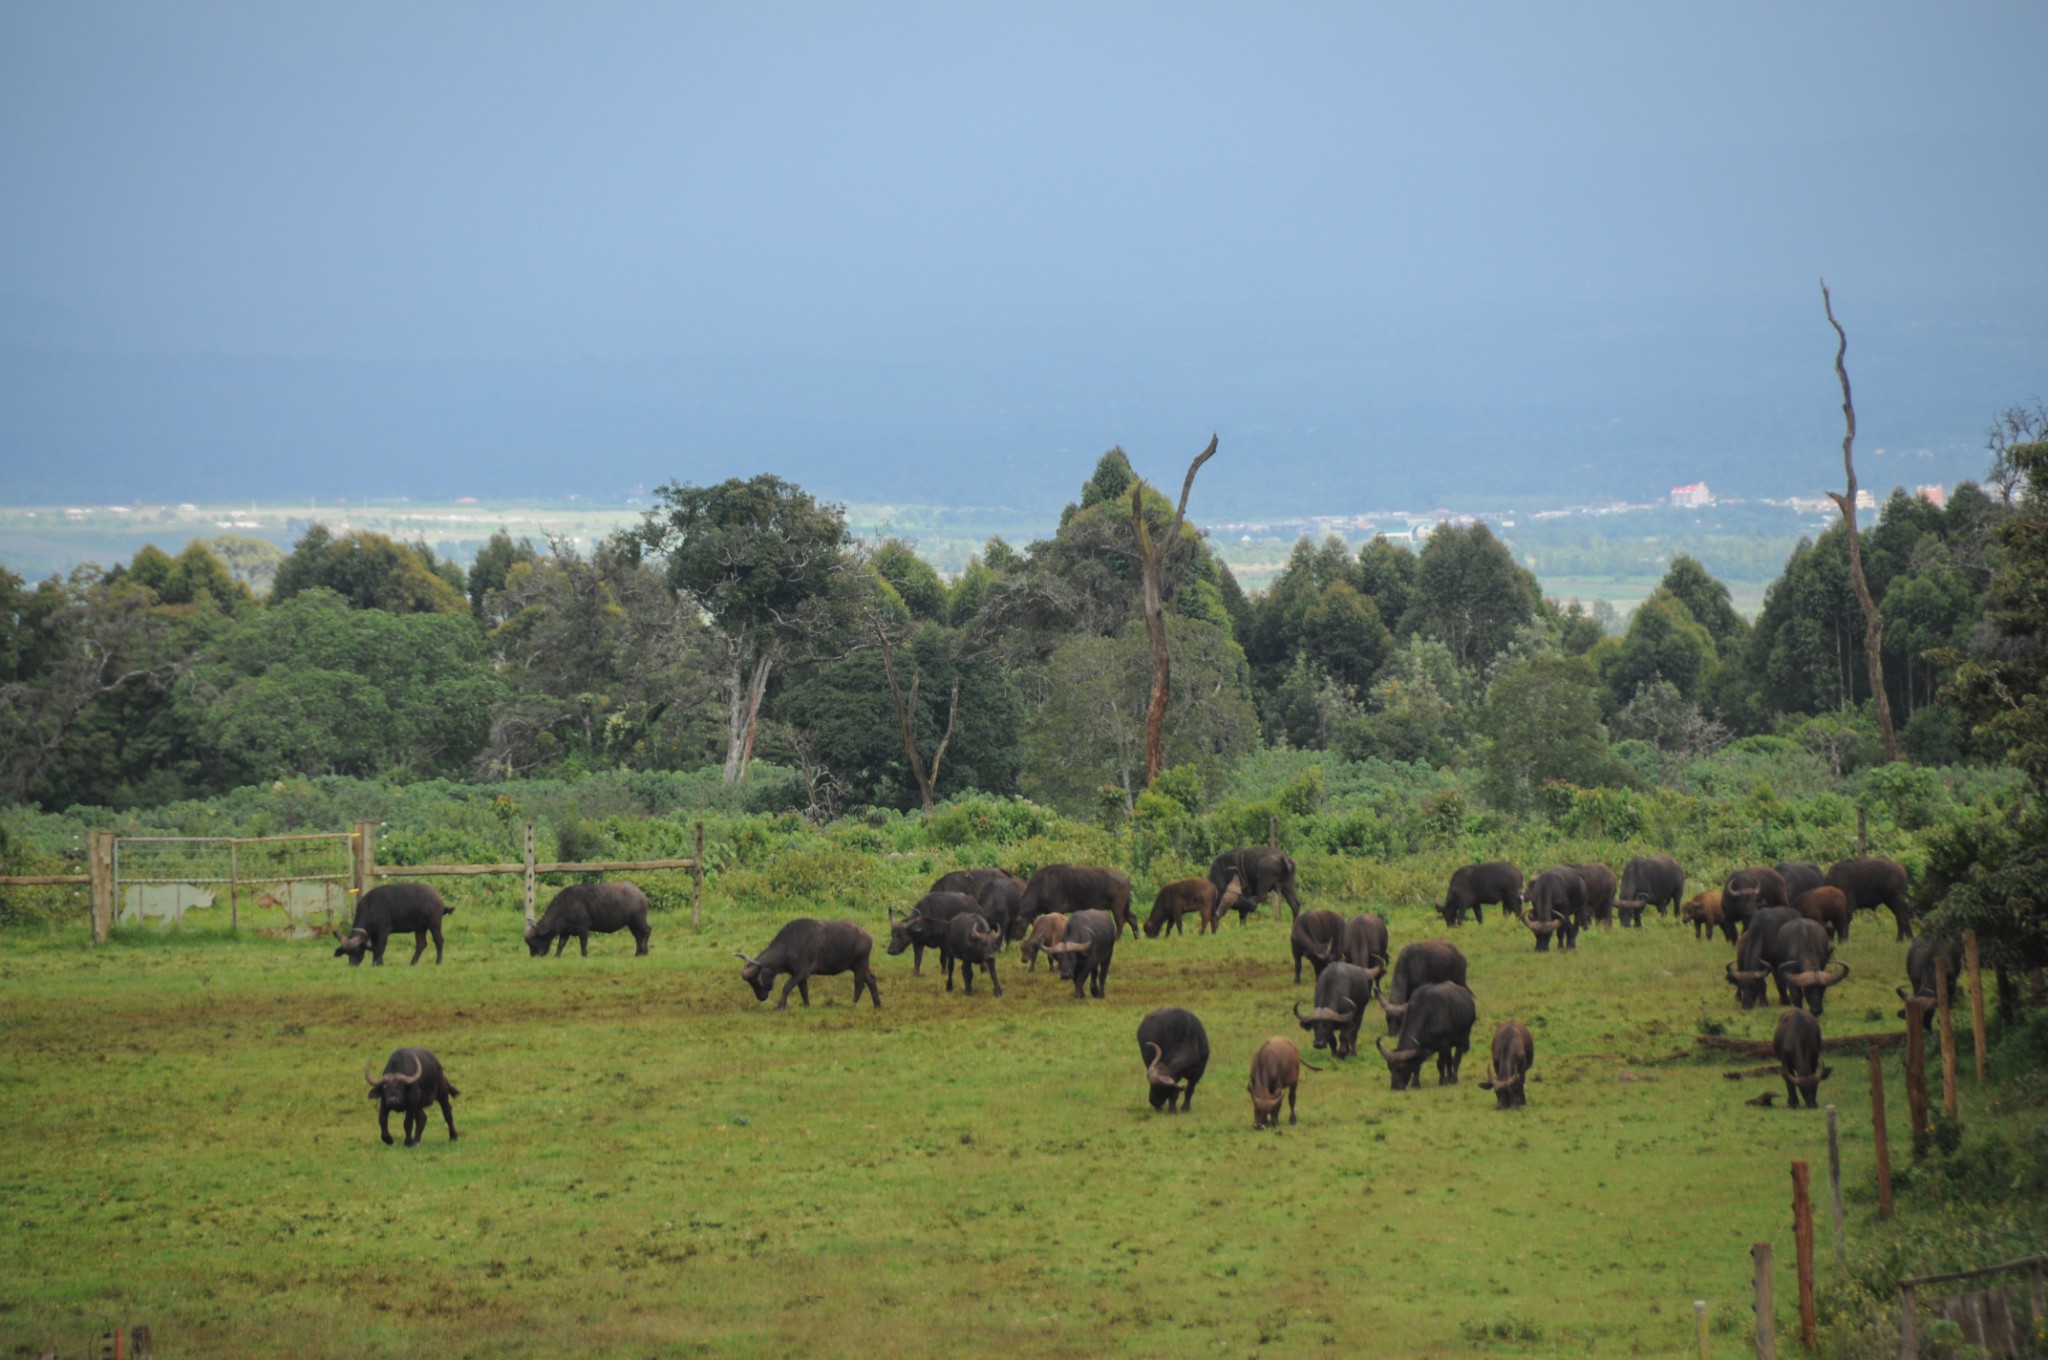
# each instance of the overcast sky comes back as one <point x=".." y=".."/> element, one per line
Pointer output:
<point x="953" y="252"/>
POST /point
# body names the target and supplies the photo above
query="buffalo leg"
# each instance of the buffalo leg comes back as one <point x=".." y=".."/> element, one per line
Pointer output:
<point x="874" y="992"/>
<point x="947" y="960"/>
<point x="1187" y="1097"/>
<point x="782" y="1002"/>
<point x="993" y="980"/>
<point x="917" y="960"/>
<point x="561" y="943"/>
<point x="1293" y="902"/>
<point x="1290" y="1108"/>
<point x="967" y="967"/>
<point x="377" y="950"/>
<point x="384" y="1123"/>
<point x="640" y="939"/>
<point x="419" y="946"/>
<point x="803" y="989"/>
<point x="437" y="943"/>
<point x="447" y="1113"/>
<point x="1101" y="980"/>
<point x="583" y="938"/>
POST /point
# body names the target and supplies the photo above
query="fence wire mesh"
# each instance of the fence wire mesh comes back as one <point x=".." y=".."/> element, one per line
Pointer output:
<point x="293" y="886"/>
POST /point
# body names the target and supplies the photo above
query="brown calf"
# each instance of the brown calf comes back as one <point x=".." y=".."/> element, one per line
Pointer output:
<point x="1276" y="1070"/>
<point x="1704" y="911"/>
<point x="1189" y="896"/>
<point x="1829" y="906"/>
<point x="1048" y="929"/>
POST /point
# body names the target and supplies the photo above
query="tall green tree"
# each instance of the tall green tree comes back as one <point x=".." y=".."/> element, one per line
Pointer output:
<point x="1541" y="723"/>
<point x="370" y="571"/>
<point x="1663" y="643"/>
<point x="494" y="562"/>
<point x="1470" y="595"/>
<point x="1708" y="601"/>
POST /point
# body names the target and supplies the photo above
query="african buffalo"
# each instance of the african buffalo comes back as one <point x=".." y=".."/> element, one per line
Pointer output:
<point x="393" y="909"/>
<point x="1420" y="964"/>
<point x="1829" y="906"/>
<point x="1802" y="953"/>
<point x="1600" y="885"/>
<point x="1438" y="1020"/>
<point x="1757" y="958"/>
<point x="1557" y="901"/>
<point x="1175" y="1049"/>
<point x="412" y="1081"/>
<point x="1749" y="891"/>
<point x="1002" y="902"/>
<point x="1183" y="897"/>
<point x="1703" y="909"/>
<point x="1085" y="953"/>
<point x="1650" y="880"/>
<point x="1514" y="1052"/>
<point x="805" y="949"/>
<point x="924" y="927"/>
<point x="1276" y="1071"/>
<point x="970" y="881"/>
<point x="1800" y="877"/>
<point x="1476" y="885"/>
<point x="973" y="943"/>
<point x="1048" y="929"/>
<point x="1071" y="888"/>
<point x="1796" y="1046"/>
<point x="1260" y="871"/>
<point x="1343" y="991"/>
<point x="1921" y="957"/>
<point x="1317" y="935"/>
<point x="583" y="909"/>
<point x="1364" y="944"/>
<point x="1872" y="881"/>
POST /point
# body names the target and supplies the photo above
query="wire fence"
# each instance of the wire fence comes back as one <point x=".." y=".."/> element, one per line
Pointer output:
<point x="289" y="886"/>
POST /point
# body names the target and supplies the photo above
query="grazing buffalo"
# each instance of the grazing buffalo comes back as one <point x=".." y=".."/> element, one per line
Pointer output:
<point x="1757" y="958"/>
<point x="1650" y="880"/>
<point x="971" y="881"/>
<point x="1922" y="957"/>
<point x="805" y="949"/>
<point x="1749" y="891"/>
<point x="1438" y="1020"/>
<point x="1317" y="936"/>
<point x="1703" y="909"/>
<point x="1872" y="881"/>
<point x="972" y="943"/>
<point x="412" y="1082"/>
<point x="1557" y="902"/>
<point x="1260" y="872"/>
<point x="1829" y="906"/>
<point x="1071" y="888"/>
<point x="1476" y="885"/>
<point x="925" y="927"/>
<point x="1600" y="885"/>
<point x="1514" y="1052"/>
<point x="1276" y="1071"/>
<point x="1002" y="902"/>
<point x="584" y="909"/>
<point x="1048" y="929"/>
<point x="1802" y="953"/>
<point x="1420" y="964"/>
<point x="1343" y="991"/>
<point x="1365" y="942"/>
<point x="1195" y="897"/>
<point x="1796" y="1046"/>
<point x="1175" y="1049"/>
<point x="393" y="909"/>
<point x="1084" y="954"/>
<point x="1800" y="877"/>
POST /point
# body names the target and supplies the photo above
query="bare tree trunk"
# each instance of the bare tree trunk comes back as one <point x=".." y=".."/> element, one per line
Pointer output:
<point x="1155" y="610"/>
<point x="743" y="709"/>
<point x="755" y="693"/>
<point x="1873" y="621"/>
<point x="906" y="718"/>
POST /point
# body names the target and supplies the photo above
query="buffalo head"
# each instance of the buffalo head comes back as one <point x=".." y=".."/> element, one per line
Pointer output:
<point x="1749" y="986"/>
<point x="1403" y="1065"/>
<point x="352" y="946"/>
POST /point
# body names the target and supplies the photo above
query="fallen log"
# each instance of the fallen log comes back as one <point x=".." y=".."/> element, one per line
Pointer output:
<point x="1761" y="1048"/>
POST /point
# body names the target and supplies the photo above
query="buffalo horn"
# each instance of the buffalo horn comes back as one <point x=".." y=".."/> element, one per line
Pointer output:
<point x="1393" y="1012"/>
<point x="1902" y="994"/>
<point x="419" y="1069"/>
<point x="1805" y="1083"/>
<point x="1398" y="1055"/>
<point x="1841" y="971"/>
<point x="374" y="1081"/>
<point x="1154" y="1073"/>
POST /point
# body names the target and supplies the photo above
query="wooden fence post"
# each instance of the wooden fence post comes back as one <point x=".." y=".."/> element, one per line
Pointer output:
<point x="1272" y="831"/>
<point x="99" y="864"/>
<point x="364" y="843"/>
<point x="1946" y="1030"/>
<point x="1971" y="962"/>
<point x="1699" y="1327"/>
<point x="697" y="889"/>
<point x="529" y="873"/>
<point x="1835" y="1191"/>
<point x="1802" y="1247"/>
<point x="234" y="887"/>
<point x="1862" y="831"/>
<point x="1909" y="1325"/>
<point x="1881" y="1135"/>
<point x="2037" y="1292"/>
<point x="1916" y="1071"/>
<point x="1766" y="1309"/>
<point x="141" y="1344"/>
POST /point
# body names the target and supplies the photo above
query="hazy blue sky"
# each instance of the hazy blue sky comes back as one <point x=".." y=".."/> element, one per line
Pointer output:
<point x="952" y="252"/>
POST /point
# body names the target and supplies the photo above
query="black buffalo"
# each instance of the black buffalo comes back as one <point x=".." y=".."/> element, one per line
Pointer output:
<point x="1438" y="1020"/>
<point x="1796" y="1046"/>
<point x="1557" y="901"/>
<point x="1365" y="942"/>
<point x="1071" y="888"/>
<point x="973" y="943"/>
<point x="1921" y="957"/>
<point x="583" y="909"/>
<point x="1650" y="880"/>
<point x="1420" y="964"/>
<point x="1600" y="885"/>
<point x="1514" y="1052"/>
<point x="1476" y="885"/>
<point x="393" y="909"/>
<point x="1317" y="935"/>
<point x="1175" y="1050"/>
<point x="1802" y="952"/>
<point x="925" y="928"/>
<point x="1343" y="991"/>
<point x="1800" y="877"/>
<point x="805" y="949"/>
<point x="1001" y="896"/>
<point x="1260" y="872"/>
<point x="1757" y="958"/>
<point x="1084" y="954"/>
<point x="1749" y="891"/>
<point x="412" y="1083"/>
<point x="1872" y="881"/>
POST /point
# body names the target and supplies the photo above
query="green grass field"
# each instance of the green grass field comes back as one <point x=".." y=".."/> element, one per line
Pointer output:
<point x="653" y="1164"/>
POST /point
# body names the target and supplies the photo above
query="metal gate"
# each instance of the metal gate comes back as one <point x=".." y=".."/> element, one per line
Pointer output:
<point x="291" y="886"/>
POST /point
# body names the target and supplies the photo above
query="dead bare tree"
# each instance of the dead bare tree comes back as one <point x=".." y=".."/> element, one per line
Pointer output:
<point x="1873" y="620"/>
<point x="906" y="715"/>
<point x="1155" y="609"/>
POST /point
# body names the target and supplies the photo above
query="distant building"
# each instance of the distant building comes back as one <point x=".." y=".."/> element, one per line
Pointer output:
<point x="1936" y="496"/>
<point x="1692" y="497"/>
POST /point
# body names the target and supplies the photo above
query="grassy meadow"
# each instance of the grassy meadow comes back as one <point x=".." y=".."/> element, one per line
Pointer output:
<point x="653" y="1164"/>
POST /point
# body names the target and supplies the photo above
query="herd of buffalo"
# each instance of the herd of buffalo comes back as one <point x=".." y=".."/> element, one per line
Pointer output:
<point x="1783" y="920"/>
